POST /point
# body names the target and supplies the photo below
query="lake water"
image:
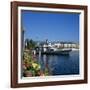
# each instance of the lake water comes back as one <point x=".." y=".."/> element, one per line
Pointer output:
<point x="60" y="64"/>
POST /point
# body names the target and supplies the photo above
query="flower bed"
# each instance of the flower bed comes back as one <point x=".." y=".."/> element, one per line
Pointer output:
<point x="31" y="67"/>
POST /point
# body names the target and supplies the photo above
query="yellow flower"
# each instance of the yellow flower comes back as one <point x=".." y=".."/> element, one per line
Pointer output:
<point x="36" y="66"/>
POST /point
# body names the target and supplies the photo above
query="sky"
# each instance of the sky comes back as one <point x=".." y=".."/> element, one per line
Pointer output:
<point x="40" y="26"/>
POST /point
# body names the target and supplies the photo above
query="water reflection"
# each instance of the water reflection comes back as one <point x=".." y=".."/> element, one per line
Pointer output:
<point x="60" y="65"/>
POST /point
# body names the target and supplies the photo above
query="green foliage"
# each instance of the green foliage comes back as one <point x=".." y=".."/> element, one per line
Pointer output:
<point x="30" y="44"/>
<point x="46" y="72"/>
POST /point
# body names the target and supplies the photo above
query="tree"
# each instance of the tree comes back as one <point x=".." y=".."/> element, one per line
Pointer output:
<point x="30" y="44"/>
<point x="27" y="43"/>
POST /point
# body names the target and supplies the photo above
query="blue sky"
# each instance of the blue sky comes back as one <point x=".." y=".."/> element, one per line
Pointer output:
<point x="52" y="26"/>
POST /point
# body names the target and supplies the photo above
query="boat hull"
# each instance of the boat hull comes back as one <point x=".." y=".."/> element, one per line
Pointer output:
<point x="63" y="52"/>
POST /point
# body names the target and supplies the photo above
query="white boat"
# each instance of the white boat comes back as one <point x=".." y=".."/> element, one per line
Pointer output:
<point x="58" y="52"/>
<point x="55" y="51"/>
